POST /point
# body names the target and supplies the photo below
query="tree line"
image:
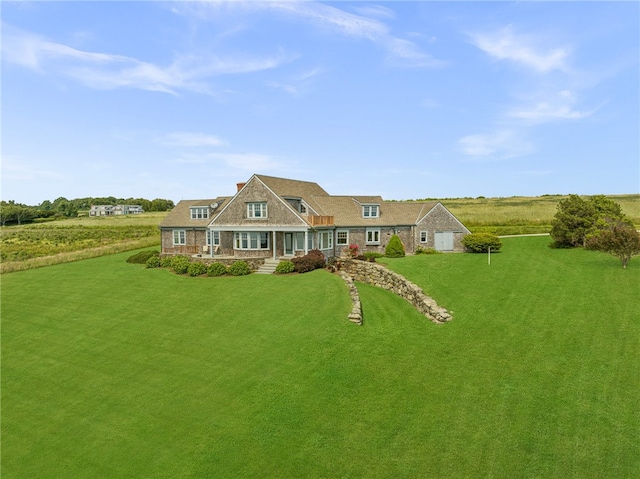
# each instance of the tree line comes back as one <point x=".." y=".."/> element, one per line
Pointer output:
<point x="19" y="213"/>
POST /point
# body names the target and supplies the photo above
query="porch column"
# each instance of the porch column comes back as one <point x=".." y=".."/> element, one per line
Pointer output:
<point x="274" y="244"/>
<point x="306" y="242"/>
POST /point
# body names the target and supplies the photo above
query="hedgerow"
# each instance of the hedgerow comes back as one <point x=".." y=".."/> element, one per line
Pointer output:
<point x="197" y="268"/>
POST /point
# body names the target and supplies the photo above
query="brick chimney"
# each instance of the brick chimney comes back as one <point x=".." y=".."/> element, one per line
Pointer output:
<point x="240" y="185"/>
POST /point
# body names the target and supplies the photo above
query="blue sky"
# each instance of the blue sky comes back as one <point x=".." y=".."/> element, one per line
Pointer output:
<point x="403" y="99"/>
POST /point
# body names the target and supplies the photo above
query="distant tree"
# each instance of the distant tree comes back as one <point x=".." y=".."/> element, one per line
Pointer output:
<point x="619" y="239"/>
<point x="45" y="205"/>
<point x="66" y="208"/>
<point x="576" y="218"/>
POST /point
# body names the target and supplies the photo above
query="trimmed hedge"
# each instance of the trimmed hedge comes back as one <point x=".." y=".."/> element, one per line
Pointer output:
<point x="481" y="242"/>
<point x="239" y="268"/>
<point x="143" y="256"/>
<point x="153" y="262"/>
<point x="216" y="269"/>
<point x="197" y="269"/>
<point x="180" y="264"/>
<point x="285" y="267"/>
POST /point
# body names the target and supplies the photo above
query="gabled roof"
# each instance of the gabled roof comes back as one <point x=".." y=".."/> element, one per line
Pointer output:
<point x="180" y="215"/>
<point x="347" y="210"/>
<point x="286" y="188"/>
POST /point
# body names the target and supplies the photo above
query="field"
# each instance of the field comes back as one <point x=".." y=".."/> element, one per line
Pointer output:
<point x="113" y="370"/>
<point x="43" y="244"/>
<point x="522" y="214"/>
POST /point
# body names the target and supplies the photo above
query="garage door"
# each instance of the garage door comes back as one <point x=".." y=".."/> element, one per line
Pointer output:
<point x="444" y="240"/>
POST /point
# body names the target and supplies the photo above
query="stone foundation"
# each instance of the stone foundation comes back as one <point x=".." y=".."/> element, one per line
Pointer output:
<point x="378" y="275"/>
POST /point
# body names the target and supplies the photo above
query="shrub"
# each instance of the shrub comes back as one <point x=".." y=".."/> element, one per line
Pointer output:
<point x="371" y="256"/>
<point x="165" y="262"/>
<point x="314" y="259"/>
<point x="239" y="268"/>
<point x="422" y="250"/>
<point x="142" y="256"/>
<point x="180" y="264"/>
<point x="153" y="262"/>
<point x="285" y="267"/>
<point x="481" y="242"/>
<point x="216" y="269"/>
<point x="395" y="248"/>
<point x="197" y="268"/>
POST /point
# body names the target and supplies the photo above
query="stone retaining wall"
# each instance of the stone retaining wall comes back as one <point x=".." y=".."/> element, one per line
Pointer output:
<point x="380" y="276"/>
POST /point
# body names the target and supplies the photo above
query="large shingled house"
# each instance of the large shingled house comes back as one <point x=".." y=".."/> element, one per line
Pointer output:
<point x="271" y="217"/>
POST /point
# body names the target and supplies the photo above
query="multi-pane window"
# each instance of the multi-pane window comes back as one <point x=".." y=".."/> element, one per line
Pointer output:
<point x="370" y="211"/>
<point x="257" y="210"/>
<point x="252" y="240"/>
<point x="423" y="236"/>
<point x="179" y="237"/>
<point x="213" y="238"/>
<point x="199" y="213"/>
<point x="373" y="236"/>
<point x="325" y="239"/>
<point x="342" y="237"/>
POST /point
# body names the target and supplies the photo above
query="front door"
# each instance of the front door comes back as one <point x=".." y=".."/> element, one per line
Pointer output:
<point x="288" y="244"/>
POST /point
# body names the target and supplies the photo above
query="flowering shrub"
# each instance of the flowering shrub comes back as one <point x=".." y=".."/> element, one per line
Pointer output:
<point x="351" y="250"/>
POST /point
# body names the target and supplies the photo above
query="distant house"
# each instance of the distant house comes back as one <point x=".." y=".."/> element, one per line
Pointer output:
<point x="109" y="210"/>
<point x="279" y="217"/>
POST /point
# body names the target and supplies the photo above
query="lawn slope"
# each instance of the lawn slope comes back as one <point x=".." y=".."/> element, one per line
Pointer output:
<point x="112" y="370"/>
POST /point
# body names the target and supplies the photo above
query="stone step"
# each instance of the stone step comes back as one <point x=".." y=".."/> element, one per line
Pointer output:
<point x="269" y="266"/>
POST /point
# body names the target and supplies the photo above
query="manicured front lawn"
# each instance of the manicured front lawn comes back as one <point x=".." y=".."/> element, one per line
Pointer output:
<point x="112" y="370"/>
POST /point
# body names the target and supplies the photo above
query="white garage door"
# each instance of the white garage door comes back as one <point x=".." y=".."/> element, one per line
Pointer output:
<point x="444" y="240"/>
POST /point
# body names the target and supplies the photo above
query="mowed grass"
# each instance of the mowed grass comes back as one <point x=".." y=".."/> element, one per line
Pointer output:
<point x="112" y="370"/>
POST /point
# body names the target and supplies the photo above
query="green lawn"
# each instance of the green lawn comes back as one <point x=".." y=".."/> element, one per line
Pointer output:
<point x="112" y="370"/>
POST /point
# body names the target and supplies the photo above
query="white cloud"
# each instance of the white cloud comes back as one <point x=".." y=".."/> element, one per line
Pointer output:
<point x="550" y="107"/>
<point x="16" y="169"/>
<point x="400" y="52"/>
<point x="377" y="11"/>
<point x="111" y="71"/>
<point x="504" y="44"/>
<point x="499" y="145"/>
<point x="187" y="139"/>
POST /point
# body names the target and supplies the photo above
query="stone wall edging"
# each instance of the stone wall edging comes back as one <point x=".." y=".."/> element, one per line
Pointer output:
<point x="382" y="277"/>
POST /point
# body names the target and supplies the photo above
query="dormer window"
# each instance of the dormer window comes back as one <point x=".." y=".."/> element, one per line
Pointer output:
<point x="370" y="211"/>
<point x="200" y="213"/>
<point x="303" y="208"/>
<point x="257" y="210"/>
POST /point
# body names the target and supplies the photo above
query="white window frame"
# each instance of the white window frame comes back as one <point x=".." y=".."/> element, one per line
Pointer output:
<point x="372" y="236"/>
<point x="338" y="233"/>
<point x="251" y="240"/>
<point x="424" y="236"/>
<point x="179" y="237"/>
<point x="215" y="235"/>
<point x="370" y="211"/>
<point x="325" y="237"/>
<point x="257" y="210"/>
<point x="199" y="212"/>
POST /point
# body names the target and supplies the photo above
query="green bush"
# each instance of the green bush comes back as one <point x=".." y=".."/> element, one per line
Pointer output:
<point x="142" y="256"/>
<point x="481" y="242"/>
<point x="285" y="267"/>
<point x="371" y="256"/>
<point x="239" y="268"/>
<point x="395" y="248"/>
<point x="165" y="262"/>
<point x="153" y="262"/>
<point x="423" y="250"/>
<point x="180" y="264"/>
<point x="197" y="268"/>
<point x="314" y="259"/>
<point x="216" y="269"/>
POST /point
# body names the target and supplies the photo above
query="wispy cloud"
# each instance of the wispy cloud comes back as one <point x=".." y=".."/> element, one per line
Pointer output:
<point x="400" y="52"/>
<point x="555" y="107"/>
<point x="505" y="44"/>
<point x="498" y="145"/>
<point x="246" y="163"/>
<point x="111" y="71"/>
<point x="190" y="140"/>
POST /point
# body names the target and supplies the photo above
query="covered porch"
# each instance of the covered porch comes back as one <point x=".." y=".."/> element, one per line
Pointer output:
<point x="256" y="242"/>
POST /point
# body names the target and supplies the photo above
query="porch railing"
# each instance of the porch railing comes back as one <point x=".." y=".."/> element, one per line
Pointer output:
<point x="317" y="220"/>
